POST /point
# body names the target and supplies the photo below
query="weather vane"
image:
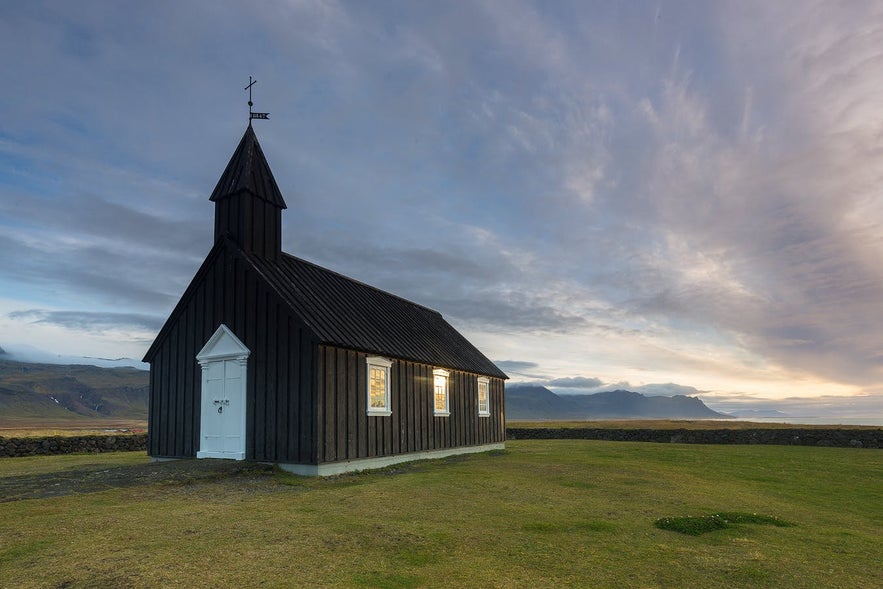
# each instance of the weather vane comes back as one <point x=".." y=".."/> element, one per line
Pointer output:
<point x="254" y="115"/>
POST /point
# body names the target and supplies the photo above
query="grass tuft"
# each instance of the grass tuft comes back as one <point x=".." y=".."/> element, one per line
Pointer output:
<point x="697" y="525"/>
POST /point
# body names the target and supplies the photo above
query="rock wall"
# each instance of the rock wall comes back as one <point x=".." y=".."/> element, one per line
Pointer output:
<point x="847" y="438"/>
<point x="12" y="447"/>
<point x="854" y="438"/>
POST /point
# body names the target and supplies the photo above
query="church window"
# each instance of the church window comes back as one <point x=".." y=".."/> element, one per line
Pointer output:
<point x="484" y="401"/>
<point x="378" y="385"/>
<point x="440" y="389"/>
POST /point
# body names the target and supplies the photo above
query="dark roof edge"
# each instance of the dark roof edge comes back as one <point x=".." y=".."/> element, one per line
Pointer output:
<point x="219" y="185"/>
<point x="248" y="191"/>
<point x="365" y="284"/>
<point x="280" y="292"/>
<point x="502" y="375"/>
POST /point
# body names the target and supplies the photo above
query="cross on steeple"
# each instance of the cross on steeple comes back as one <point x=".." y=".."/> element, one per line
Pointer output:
<point x="254" y="115"/>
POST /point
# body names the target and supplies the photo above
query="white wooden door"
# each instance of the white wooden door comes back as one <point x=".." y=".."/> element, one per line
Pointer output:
<point x="222" y="406"/>
<point x="224" y="362"/>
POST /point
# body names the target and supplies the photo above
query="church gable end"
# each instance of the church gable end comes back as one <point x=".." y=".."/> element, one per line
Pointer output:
<point x="229" y="298"/>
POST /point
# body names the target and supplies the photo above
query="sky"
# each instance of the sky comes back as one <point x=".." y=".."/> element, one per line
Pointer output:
<point x="672" y="197"/>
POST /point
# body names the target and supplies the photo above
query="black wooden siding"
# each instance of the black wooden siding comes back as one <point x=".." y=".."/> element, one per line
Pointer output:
<point x="347" y="432"/>
<point x="306" y="401"/>
<point x="280" y="423"/>
<point x="254" y="224"/>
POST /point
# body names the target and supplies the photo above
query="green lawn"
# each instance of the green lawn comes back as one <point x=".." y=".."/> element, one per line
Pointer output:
<point x="552" y="513"/>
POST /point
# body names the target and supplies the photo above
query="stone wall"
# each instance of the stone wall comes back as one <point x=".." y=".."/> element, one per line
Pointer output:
<point x="854" y="438"/>
<point x="11" y="447"/>
<point x="850" y="438"/>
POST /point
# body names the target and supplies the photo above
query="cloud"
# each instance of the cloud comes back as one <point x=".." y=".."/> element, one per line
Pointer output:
<point x="856" y="408"/>
<point x="515" y="365"/>
<point x="28" y="353"/>
<point x="92" y="273"/>
<point x="517" y="370"/>
<point x="669" y="389"/>
<point x="88" y="321"/>
<point x="685" y="194"/>
<point x="758" y="233"/>
<point x="575" y="382"/>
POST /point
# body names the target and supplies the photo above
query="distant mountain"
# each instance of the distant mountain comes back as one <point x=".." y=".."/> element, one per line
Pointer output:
<point x="59" y="391"/>
<point x="30" y="354"/>
<point x="537" y="402"/>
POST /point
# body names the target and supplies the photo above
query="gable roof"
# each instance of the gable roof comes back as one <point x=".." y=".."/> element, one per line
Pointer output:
<point x="351" y="314"/>
<point x="338" y="310"/>
<point x="249" y="171"/>
<point x="344" y="312"/>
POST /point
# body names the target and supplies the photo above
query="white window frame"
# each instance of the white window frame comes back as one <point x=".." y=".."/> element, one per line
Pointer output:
<point x="436" y="374"/>
<point x="486" y="382"/>
<point x="382" y="364"/>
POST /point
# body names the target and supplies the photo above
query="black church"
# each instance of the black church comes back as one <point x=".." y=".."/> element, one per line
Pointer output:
<point x="271" y="358"/>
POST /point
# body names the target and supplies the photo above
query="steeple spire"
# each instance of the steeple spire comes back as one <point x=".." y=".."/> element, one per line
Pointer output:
<point x="248" y="203"/>
<point x="249" y="171"/>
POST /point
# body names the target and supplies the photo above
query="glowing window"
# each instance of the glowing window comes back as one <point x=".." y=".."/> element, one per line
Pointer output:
<point x="378" y="385"/>
<point x="484" y="401"/>
<point x="440" y="387"/>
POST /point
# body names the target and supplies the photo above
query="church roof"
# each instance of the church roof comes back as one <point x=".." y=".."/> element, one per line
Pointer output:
<point x="344" y="312"/>
<point x="347" y="313"/>
<point x="248" y="171"/>
<point x="338" y="310"/>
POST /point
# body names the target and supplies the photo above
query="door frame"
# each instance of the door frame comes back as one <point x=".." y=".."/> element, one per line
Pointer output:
<point x="223" y="346"/>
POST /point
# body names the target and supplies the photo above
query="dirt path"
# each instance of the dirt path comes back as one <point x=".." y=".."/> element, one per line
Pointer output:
<point x="95" y="478"/>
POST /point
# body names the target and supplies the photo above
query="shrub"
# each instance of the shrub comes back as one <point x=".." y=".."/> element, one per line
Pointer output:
<point x="696" y="525"/>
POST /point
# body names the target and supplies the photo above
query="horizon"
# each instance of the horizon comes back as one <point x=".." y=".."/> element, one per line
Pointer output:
<point x="641" y="196"/>
<point x="795" y="410"/>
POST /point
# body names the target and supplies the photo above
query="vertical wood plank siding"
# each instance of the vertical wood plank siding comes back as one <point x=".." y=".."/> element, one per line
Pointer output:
<point x="348" y="432"/>
<point x="254" y="223"/>
<point x="306" y="403"/>
<point x="280" y="424"/>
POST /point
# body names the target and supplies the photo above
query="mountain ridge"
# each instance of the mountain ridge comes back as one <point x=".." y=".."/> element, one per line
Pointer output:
<point x="77" y="390"/>
<point x="72" y="390"/>
<point x="538" y="402"/>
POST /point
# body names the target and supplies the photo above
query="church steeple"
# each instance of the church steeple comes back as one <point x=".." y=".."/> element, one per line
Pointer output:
<point x="248" y="203"/>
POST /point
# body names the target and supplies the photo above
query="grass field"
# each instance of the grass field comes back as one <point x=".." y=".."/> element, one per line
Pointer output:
<point x="541" y="514"/>
<point x="25" y="427"/>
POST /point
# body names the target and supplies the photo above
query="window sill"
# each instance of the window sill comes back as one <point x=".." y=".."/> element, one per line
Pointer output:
<point x="442" y="413"/>
<point x="484" y="414"/>
<point x="379" y="413"/>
